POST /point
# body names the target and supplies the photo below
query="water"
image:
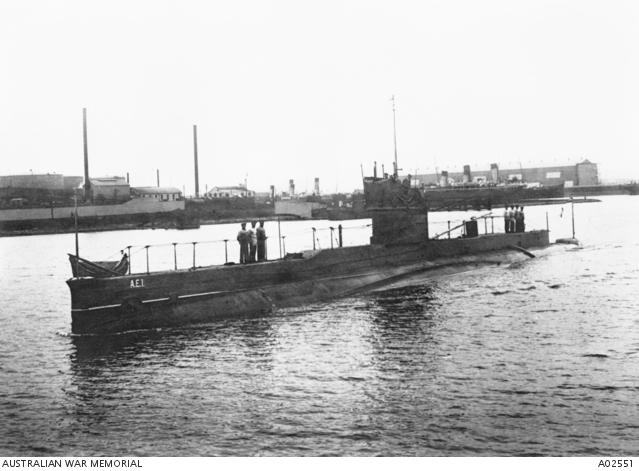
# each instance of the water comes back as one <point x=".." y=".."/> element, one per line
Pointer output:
<point x="540" y="358"/>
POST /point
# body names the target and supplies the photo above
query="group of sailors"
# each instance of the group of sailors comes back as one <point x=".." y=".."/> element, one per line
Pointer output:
<point x="514" y="219"/>
<point x="252" y="243"/>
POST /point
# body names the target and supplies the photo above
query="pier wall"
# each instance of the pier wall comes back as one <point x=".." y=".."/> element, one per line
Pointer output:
<point x="134" y="206"/>
<point x="303" y="209"/>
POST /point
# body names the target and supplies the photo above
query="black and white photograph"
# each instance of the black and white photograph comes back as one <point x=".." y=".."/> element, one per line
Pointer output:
<point x="347" y="228"/>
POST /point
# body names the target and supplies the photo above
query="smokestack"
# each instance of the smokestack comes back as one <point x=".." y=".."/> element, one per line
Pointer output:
<point x="316" y="190"/>
<point x="197" y="179"/>
<point x="158" y="176"/>
<point x="87" y="182"/>
<point x="375" y="169"/>
<point x="467" y="175"/>
<point x="443" y="179"/>
<point x="272" y="192"/>
<point x="494" y="173"/>
<point x="291" y="187"/>
<point x="127" y="177"/>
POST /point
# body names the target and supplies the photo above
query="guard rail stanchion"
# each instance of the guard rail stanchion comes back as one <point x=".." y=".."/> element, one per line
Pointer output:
<point x="492" y="224"/>
<point x="279" y="236"/>
<point x="128" y="248"/>
<point x="313" y="237"/>
<point x="339" y="231"/>
<point x="332" y="229"/>
<point x="175" y="255"/>
<point x="194" y="254"/>
<point x="146" y="247"/>
<point x="284" y="245"/>
<point x="547" y="227"/>
<point x="485" y="226"/>
<point x="226" y="251"/>
<point x="449" y="229"/>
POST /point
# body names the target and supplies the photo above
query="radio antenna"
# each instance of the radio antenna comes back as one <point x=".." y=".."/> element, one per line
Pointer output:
<point x="396" y="168"/>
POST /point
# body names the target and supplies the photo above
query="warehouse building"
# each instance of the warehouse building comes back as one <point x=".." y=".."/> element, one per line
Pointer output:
<point x="582" y="174"/>
<point x="110" y="189"/>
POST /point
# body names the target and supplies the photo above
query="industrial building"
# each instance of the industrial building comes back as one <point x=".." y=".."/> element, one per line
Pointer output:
<point x="47" y="181"/>
<point x="36" y="189"/>
<point x="110" y="189"/>
<point x="230" y="192"/>
<point x="582" y="174"/>
<point x="160" y="193"/>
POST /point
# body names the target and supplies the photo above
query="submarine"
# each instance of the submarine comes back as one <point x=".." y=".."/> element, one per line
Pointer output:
<point x="107" y="298"/>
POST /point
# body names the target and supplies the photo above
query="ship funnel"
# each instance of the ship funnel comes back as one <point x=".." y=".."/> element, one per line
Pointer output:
<point x="467" y="176"/>
<point x="316" y="189"/>
<point x="443" y="179"/>
<point x="494" y="173"/>
<point x="291" y="187"/>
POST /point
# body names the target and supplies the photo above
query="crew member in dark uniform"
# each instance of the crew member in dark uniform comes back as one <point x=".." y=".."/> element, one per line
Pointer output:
<point x="521" y="224"/>
<point x="506" y="220"/>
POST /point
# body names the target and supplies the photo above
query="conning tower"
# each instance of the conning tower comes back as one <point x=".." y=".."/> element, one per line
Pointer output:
<point x="399" y="212"/>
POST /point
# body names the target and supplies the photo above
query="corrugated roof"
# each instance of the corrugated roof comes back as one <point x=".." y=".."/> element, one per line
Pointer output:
<point x="108" y="181"/>
<point x="222" y="188"/>
<point x="241" y="188"/>
<point x="155" y="190"/>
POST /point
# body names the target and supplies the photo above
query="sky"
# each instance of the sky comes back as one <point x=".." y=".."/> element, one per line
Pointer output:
<point x="296" y="89"/>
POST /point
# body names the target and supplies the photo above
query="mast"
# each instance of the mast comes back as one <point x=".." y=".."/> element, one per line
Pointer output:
<point x="197" y="180"/>
<point x="395" y="167"/>
<point x="75" y="222"/>
<point x="87" y="182"/>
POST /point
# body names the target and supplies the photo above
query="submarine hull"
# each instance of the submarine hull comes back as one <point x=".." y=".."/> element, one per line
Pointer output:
<point x="181" y="297"/>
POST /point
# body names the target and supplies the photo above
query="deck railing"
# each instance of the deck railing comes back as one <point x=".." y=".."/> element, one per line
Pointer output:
<point x="335" y="234"/>
<point x="338" y="236"/>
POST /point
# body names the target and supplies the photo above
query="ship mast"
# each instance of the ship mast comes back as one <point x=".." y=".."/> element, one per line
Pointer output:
<point x="87" y="182"/>
<point x="197" y="179"/>
<point x="395" y="167"/>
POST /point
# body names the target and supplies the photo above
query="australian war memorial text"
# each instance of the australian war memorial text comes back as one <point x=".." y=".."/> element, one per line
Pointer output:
<point x="71" y="463"/>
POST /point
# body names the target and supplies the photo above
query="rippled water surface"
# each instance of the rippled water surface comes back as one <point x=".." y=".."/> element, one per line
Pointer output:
<point x="538" y="358"/>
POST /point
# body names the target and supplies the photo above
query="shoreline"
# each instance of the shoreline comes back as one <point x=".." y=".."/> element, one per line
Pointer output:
<point x="133" y="226"/>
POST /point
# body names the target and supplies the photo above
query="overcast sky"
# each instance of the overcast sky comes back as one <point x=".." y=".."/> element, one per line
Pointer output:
<point x="294" y="89"/>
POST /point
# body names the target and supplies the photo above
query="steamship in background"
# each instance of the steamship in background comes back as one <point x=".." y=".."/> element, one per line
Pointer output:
<point x="490" y="189"/>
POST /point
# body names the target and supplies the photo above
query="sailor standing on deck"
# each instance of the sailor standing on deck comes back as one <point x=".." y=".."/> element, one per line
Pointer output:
<point x="252" y="242"/>
<point x="506" y="220"/>
<point x="522" y="220"/>
<point x="260" y="232"/>
<point x="511" y="219"/>
<point x="243" y="239"/>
